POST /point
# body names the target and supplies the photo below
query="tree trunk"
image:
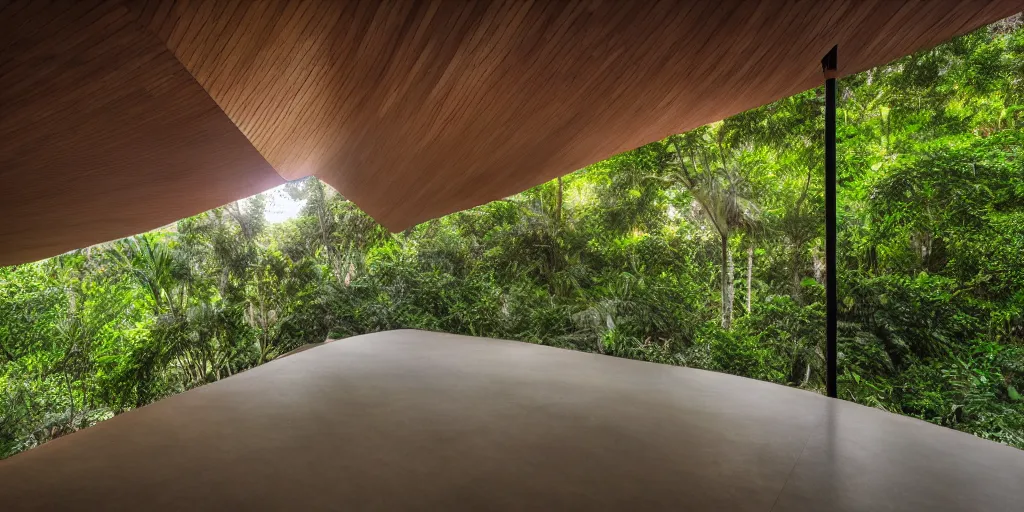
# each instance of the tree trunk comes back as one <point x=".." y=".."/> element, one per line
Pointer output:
<point x="819" y="266"/>
<point x="728" y="270"/>
<point x="71" y="397"/>
<point x="795" y="263"/>
<point x="558" y="206"/>
<point x="750" y="275"/>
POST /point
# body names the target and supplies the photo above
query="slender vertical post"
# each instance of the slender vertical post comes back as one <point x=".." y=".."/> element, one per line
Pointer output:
<point x="828" y="66"/>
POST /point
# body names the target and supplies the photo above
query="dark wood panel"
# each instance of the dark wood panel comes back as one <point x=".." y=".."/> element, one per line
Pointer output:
<point x="417" y="109"/>
<point x="411" y="109"/>
<point x="103" y="133"/>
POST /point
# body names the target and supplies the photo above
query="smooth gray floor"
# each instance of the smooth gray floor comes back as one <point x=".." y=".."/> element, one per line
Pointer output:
<point x="418" y="420"/>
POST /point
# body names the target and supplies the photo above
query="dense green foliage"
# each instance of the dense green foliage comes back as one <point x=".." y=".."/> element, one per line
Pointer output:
<point x="704" y="250"/>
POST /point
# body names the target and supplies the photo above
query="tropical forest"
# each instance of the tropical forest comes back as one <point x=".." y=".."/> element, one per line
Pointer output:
<point x="704" y="249"/>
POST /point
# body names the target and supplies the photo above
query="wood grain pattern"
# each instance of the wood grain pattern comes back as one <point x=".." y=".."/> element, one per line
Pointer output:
<point x="417" y="109"/>
<point x="103" y="133"/>
<point x="121" y="115"/>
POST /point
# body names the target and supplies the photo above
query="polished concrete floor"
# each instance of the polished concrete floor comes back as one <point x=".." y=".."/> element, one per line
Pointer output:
<point x="426" y="421"/>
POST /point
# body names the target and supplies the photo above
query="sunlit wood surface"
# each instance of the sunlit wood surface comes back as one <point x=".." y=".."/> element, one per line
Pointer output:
<point x="122" y="115"/>
<point x="411" y="420"/>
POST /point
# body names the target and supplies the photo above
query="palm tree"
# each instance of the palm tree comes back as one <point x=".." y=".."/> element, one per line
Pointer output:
<point x="719" y="192"/>
<point x="153" y="265"/>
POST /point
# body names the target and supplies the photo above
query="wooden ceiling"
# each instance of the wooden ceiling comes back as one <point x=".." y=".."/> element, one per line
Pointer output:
<point x="103" y="134"/>
<point x="121" y="115"/>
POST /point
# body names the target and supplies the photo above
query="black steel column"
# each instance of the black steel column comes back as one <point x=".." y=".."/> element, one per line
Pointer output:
<point x="828" y="65"/>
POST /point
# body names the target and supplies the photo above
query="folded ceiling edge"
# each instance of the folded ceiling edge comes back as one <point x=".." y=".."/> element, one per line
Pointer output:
<point x="104" y="133"/>
<point x="990" y="12"/>
<point x="333" y="88"/>
<point x="109" y="128"/>
<point x="158" y="17"/>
